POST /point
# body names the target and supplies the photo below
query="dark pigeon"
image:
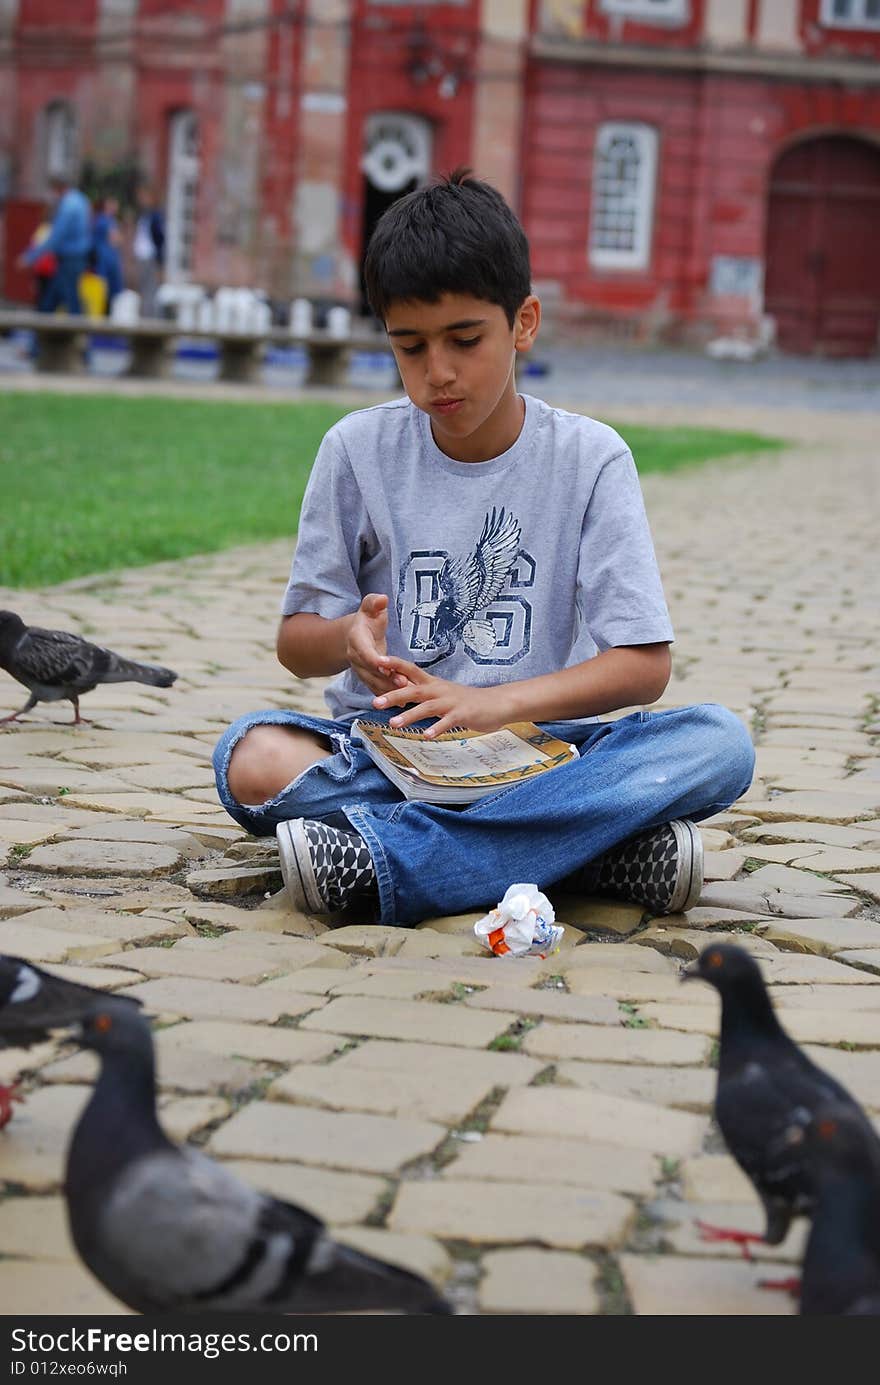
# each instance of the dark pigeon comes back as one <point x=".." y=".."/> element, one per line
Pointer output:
<point x="166" y="1229"/>
<point x="55" y="665"/>
<point x="766" y="1084"/>
<point x="32" y="1004"/>
<point x="841" y="1270"/>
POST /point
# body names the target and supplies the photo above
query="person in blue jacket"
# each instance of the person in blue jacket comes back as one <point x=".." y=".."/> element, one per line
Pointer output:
<point x="69" y="240"/>
<point x="106" y="240"/>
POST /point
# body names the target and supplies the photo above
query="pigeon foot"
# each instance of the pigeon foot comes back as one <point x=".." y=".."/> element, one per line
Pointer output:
<point x="7" y="1096"/>
<point x="724" y="1233"/>
<point x="792" y="1285"/>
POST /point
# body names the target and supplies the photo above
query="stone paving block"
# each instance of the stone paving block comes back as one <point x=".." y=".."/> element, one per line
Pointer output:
<point x="324" y="980"/>
<point x="182" y="1117"/>
<point x="865" y="884"/>
<point x="372" y="1144"/>
<point x="37" y="944"/>
<point x="789" y="968"/>
<point x="35" y="1228"/>
<point x="39" y="1287"/>
<point x="294" y="951"/>
<point x="619" y="1045"/>
<point x="689" y="1089"/>
<point x="103" y="978"/>
<point x="398" y="985"/>
<point x="614" y="955"/>
<point x="723" y="865"/>
<point x="599" y="915"/>
<point x="817" y="833"/>
<point x="15" y="902"/>
<point x="35" y="1141"/>
<point x="715" y="1178"/>
<point x="677" y="1226"/>
<point x="366" y="939"/>
<point x="221" y="964"/>
<point x="177" y="1069"/>
<point x="188" y="996"/>
<point x="682" y="945"/>
<point x="16" y="1061"/>
<point x="794" y="881"/>
<point x="859" y="1072"/>
<point x="458" y="1209"/>
<point x="337" y="1198"/>
<point x="847" y="863"/>
<point x="500" y="1069"/>
<point x="21" y="832"/>
<point x="587" y="1114"/>
<point x="840" y="808"/>
<point x="424" y="942"/>
<point x="106" y="923"/>
<point x="429" y="1096"/>
<point x="635" y="986"/>
<point x="825" y="937"/>
<point x="227" y="882"/>
<point x="472" y="971"/>
<point x="663" y="1285"/>
<point x="868" y="959"/>
<point x="538" y="1281"/>
<point x="714" y="916"/>
<point x="591" y="1009"/>
<point x="86" y="857"/>
<point x="417" y="1019"/>
<point x="584" y="1163"/>
<point x="822" y="997"/>
<point x="261" y="1042"/>
<point x="779" y="903"/>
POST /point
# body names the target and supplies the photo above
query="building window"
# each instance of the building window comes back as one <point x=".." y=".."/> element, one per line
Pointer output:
<point x="60" y="140"/>
<point x="624" y="169"/>
<point x="663" y="11"/>
<point x="851" y="14"/>
<point x="182" y="200"/>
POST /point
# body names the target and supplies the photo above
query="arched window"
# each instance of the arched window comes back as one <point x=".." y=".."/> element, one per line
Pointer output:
<point x="60" y="140"/>
<point x="182" y="199"/>
<point x="622" y="216"/>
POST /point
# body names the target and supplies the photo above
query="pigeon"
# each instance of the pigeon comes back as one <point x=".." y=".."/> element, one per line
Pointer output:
<point x="765" y="1085"/>
<point x="55" y="665"/>
<point x="32" y="1003"/>
<point x="166" y="1229"/>
<point x="841" y="1269"/>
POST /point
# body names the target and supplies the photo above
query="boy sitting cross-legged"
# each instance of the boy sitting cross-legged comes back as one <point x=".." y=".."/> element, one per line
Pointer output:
<point x="469" y="556"/>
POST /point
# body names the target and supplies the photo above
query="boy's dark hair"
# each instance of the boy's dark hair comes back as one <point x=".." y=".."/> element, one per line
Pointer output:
<point x="457" y="235"/>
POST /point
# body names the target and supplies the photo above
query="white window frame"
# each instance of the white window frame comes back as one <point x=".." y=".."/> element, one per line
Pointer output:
<point x="181" y="213"/>
<point x="663" y="11"/>
<point x="641" y="201"/>
<point x="60" y="140"/>
<point x="857" y="20"/>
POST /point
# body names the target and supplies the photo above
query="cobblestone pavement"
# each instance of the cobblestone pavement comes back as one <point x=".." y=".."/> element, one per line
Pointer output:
<point x="534" y="1135"/>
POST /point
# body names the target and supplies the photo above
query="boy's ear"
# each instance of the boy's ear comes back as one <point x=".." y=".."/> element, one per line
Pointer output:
<point x="526" y="323"/>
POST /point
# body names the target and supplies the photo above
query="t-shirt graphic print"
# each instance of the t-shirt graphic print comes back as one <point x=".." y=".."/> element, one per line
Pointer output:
<point x="451" y="601"/>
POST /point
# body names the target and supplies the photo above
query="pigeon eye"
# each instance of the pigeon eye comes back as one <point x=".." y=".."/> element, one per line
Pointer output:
<point x="715" y="959"/>
<point x="103" y="1023"/>
<point x="826" y="1129"/>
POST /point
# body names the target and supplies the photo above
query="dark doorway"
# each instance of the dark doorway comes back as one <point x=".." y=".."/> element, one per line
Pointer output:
<point x="375" y="203"/>
<point x="822" y="281"/>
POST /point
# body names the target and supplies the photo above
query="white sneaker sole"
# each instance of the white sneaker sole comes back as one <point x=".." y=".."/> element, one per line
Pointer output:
<point x="689" y="885"/>
<point x="296" y="868"/>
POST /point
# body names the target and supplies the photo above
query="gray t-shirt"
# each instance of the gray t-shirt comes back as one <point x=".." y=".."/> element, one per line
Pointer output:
<point x="495" y="571"/>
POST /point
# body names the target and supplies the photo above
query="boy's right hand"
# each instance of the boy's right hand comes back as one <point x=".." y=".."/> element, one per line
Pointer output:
<point x="366" y="644"/>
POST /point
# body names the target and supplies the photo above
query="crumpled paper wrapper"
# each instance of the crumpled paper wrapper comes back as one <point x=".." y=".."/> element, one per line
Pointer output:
<point x="521" y="925"/>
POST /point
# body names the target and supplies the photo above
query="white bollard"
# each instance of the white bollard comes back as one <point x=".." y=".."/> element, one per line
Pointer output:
<point x="300" y="320"/>
<point x="126" y="307"/>
<point x="339" y="322"/>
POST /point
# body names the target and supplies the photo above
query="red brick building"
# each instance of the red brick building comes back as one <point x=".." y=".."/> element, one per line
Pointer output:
<point x="682" y="167"/>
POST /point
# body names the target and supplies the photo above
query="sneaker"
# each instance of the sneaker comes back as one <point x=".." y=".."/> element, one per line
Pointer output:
<point x="661" y="868"/>
<point x="324" y="868"/>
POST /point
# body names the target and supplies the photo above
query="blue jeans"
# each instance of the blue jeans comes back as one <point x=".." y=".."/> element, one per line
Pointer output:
<point x="632" y="774"/>
<point x="64" y="287"/>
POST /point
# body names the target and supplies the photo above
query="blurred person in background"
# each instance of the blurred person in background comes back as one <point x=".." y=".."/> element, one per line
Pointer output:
<point x="148" y="248"/>
<point x="69" y="240"/>
<point x="106" y="242"/>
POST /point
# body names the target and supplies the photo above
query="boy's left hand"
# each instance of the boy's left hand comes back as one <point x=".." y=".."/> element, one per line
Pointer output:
<point x="476" y="709"/>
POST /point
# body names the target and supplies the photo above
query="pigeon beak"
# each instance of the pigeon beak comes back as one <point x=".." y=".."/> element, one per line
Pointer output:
<point x="690" y="972"/>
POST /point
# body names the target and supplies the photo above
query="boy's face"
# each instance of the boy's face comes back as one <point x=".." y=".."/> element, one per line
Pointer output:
<point x="456" y="361"/>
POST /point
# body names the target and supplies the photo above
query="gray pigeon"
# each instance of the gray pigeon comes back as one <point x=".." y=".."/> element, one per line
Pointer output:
<point x="55" y="665"/>
<point x="32" y="1003"/>
<point x="166" y="1229"/>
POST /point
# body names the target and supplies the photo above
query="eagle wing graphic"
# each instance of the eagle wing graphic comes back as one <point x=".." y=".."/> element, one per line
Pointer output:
<point x="473" y="583"/>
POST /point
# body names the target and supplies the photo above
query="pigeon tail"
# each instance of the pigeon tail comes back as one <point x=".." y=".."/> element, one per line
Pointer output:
<point x="339" y="1279"/>
<point x="127" y="671"/>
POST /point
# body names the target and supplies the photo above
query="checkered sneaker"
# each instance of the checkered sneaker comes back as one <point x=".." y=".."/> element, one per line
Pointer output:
<point x="324" y="868"/>
<point x="661" y="869"/>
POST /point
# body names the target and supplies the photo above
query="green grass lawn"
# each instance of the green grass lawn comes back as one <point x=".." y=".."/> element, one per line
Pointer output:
<point x="96" y="482"/>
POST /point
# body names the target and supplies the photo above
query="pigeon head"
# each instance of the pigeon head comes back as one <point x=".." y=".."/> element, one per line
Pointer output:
<point x="725" y="967"/>
<point x="115" y="1028"/>
<point x="12" y="627"/>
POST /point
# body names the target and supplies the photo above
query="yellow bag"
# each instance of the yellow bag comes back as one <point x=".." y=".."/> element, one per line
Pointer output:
<point x="92" y="293"/>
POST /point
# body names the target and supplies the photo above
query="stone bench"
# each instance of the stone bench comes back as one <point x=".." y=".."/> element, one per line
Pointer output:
<point x="61" y="341"/>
